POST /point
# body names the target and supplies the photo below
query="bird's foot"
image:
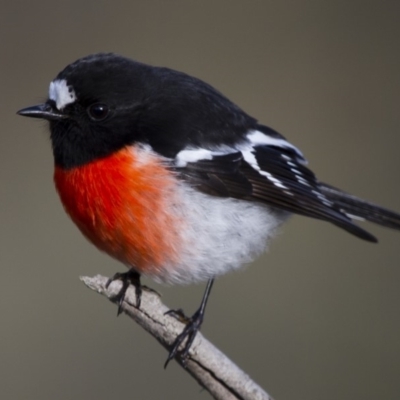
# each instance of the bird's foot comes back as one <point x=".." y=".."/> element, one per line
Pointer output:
<point x="193" y="325"/>
<point x="127" y="278"/>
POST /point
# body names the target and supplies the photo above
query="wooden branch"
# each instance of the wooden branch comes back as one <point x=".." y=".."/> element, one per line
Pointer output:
<point x="208" y="365"/>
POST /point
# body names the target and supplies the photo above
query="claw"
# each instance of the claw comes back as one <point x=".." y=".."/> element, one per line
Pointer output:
<point x="189" y="332"/>
<point x="193" y="325"/>
<point x="127" y="278"/>
<point x="179" y="315"/>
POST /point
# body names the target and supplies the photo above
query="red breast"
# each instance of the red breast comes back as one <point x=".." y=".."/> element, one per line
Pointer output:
<point x="124" y="205"/>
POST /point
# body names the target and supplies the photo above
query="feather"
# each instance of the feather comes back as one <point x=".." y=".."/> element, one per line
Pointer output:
<point x="270" y="170"/>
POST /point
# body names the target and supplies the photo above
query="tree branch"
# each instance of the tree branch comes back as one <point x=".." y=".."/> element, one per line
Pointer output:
<point x="208" y="365"/>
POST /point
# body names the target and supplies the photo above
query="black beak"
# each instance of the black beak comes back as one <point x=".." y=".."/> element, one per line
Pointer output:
<point x="44" y="111"/>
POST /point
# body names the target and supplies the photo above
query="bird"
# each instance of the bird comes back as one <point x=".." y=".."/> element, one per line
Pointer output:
<point x="165" y="174"/>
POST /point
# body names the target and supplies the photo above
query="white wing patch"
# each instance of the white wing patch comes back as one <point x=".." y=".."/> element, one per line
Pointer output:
<point x="192" y="155"/>
<point x="61" y="93"/>
<point x="258" y="138"/>
<point x="251" y="159"/>
<point x="255" y="138"/>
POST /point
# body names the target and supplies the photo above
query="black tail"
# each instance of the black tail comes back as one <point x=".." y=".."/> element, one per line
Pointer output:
<point x="356" y="208"/>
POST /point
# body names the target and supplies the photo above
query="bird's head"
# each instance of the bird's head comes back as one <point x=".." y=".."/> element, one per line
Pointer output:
<point x="94" y="107"/>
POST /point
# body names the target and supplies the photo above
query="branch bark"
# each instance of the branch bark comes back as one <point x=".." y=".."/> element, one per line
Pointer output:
<point x="208" y="365"/>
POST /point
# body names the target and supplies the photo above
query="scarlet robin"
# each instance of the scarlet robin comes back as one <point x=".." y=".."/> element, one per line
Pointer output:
<point x="165" y="174"/>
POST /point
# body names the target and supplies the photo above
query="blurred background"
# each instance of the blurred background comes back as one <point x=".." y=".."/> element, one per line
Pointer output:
<point x="315" y="318"/>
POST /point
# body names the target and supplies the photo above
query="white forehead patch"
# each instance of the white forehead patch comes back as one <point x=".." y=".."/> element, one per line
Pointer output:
<point x="61" y="93"/>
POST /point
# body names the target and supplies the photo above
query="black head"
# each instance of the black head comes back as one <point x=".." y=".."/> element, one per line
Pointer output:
<point x="104" y="102"/>
<point x="94" y="107"/>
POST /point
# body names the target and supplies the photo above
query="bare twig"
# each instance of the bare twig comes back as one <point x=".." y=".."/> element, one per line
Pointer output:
<point x="208" y="365"/>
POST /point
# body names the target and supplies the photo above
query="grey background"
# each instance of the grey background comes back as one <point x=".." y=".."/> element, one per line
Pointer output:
<point x="315" y="318"/>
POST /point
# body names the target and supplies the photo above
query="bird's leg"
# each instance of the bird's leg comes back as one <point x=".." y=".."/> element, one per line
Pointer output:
<point x="127" y="278"/>
<point x="193" y="325"/>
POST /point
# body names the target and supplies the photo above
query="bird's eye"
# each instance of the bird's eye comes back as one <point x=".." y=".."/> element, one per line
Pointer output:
<point x="98" y="111"/>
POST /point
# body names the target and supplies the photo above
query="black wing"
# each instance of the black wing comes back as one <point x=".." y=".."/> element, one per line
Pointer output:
<point x="269" y="169"/>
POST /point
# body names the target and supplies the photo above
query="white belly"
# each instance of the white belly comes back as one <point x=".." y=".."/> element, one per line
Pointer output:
<point x="219" y="235"/>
